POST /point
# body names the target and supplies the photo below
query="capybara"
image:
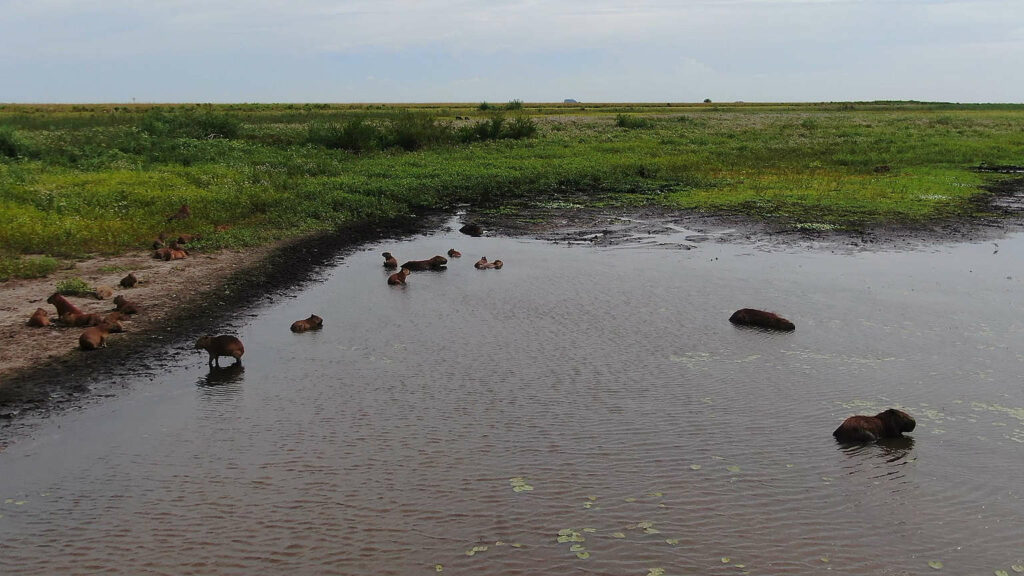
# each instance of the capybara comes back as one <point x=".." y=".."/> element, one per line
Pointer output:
<point x="472" y="230"/>
<point x="314" y="322"/>
<point x="129" y="281"/>
<point x="166" y="254"/>
<point x="81" y="319"/>
<point x="761" y="319"/>
<point x="398" y="278"/>
<point x="497" y="264"/>
<point x="481" y="264"/>
<point x="125" y="306"/>
<point x="177" y="254"/>
<point x="889" y="424"/>
<point x="453" y="253"/>
<point x="182" y="213"/>
<point x="159" y="242"/>
<point x="62" y="304"/>
<point x="162" y="254"/>
<point x="435" y="263"/>
<point x="186" y="238"/>
<point x="116" y="317"/>
<point x="102" y="292"/>
<point x="389" y="261"/>
<point x="223" y="345"/>
<point x="96" y="337"/>
<point x="39" y="318"/>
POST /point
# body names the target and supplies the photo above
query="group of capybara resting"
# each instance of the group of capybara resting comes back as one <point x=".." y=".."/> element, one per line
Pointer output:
<point x="98" y="326"/>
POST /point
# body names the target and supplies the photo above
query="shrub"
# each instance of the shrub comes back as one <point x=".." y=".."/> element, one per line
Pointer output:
<point x="10" y="144"/>
<point x="36" y="267"/>
<point x="514" y="105"/>
<point x="411" y="131"/>
<point x="356" y="135"/>
<point x="190" y="124"/>
<point x="484" y="106"/>
<point x="73" y="287"/>
<point x="520" y="127"/>
<point x="632" y="122"/>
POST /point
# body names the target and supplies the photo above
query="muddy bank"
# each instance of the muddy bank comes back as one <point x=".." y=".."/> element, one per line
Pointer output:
<point x="181" y="300"/>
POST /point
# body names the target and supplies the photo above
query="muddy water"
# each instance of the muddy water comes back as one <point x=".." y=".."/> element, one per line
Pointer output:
<point x="466" y="421"/>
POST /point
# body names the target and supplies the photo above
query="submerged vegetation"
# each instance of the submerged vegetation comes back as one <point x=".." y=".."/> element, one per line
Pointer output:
<point x="77" y="180"/>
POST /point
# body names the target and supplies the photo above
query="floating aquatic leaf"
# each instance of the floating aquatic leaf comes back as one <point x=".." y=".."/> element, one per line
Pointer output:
<point x="789" y="465"/>
<point x="618" y="535"/>
<point x="588" y="505"/>
<point x="590" y="530"/>
<point x="644" y="524"/>
<point x="824" y="559"/>
<point x="630" y="499"/>
<point x="1001" y="573"/>
<point x="740" y="565"/>
<point x="565" y="531"/>
<point x="936" y="564"/>
<point x="583" y="555"/>
<point x="9" y="501"/>
<point x="733" y="468"/>
<point x="652" y="531"/>
<point x="19" y="503"/>
<point x="672" y="541"/>
<point x="577" y="547"/>
<point x="1017" y="568"/>
<point x="499" y="543"/>
<point x="655" y="494"/>
<point x="516" y="545"/>
<point x="519" y="484"/>
<point x="656" y="572"/>
<point x="726" y="559"/>
<point x="591" y="498"/>
<point x="438" y="568"/>
<point x="695" y="466"/>
<point x="662" y="506"/>
<point x="470" y="552"/>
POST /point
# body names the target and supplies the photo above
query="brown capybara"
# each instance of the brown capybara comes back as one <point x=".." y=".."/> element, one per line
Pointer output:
<point x="389" y="261"/>
<point x="129" y="281"/>
<point x="187" y="238"/>
<point x="96" y="337"/>
<point x="62" y="304"/>
<point x="497" y="264"/>
<point x="398" y="278"/>
<point x="102" y="292"/>
<point x="81" y="319"/>
<point x="482" y="263"/>
<point x="314" y="322"/>
<point x="39" y="318"/>
<point x="761" y="319"/>
<point x="435" y="263"/>
<point x="472" y="230"/>
<point x="223" y="345"/>
<point x="453" y="253"/>
<point x="125" y="306"/>
<point x="177" y="254"/>
<point x="116" y="317"/>
<point x="159" y="242"/>
<point x="183" y="213"/>
<point x="162" y="254"/>
<point x="889" y="424"/>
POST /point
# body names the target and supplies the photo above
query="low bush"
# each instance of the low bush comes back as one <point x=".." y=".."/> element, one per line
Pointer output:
<point x="632" y="122"/>
<point x="74" y="287"/>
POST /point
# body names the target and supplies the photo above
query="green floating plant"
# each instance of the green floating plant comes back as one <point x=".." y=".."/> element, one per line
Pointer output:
<point x="519" y="484"/>
<point x="935" y="564"/>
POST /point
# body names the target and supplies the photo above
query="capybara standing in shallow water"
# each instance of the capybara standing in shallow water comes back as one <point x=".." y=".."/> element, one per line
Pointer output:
<point x="96" y="337"/>
<point x="389" y="261"/>
<point x="889" y="424"/>
<point x="435" y="263"/>
<point x="761" y="319"/>
<point x="39" y="318"/>
<point x="314" y="322"/>
<point x="398" y="278"/>
<point x="453" y="253"/>
<point x="63" y="305"/>
<point x="223" y="345"/>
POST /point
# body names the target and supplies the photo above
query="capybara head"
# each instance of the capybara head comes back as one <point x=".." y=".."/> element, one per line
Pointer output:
<point x="453" y="253"/>
<point x="472" y="230"/>
<point x="39" y="318"/>
<point x="897" y="422"/>
<point x="438" y="261"/>
<point x="120" y="300"/>
<point x="110" y="326"/>
<point x="129" y="281"/>
<point x="498" y="264"/>
<point x="204" y="342"/>
<point x="315" y="320"/>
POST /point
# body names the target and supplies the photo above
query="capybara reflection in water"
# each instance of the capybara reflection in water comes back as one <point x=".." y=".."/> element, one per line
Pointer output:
<point x="314" y="322"/>
<point x="223" y="345"/>
<point x="129" y="281"/>
<point x="389" y="261"/>
<point x="182" y="213"/>
<point x="889" y="424"/>
<point x="125" y="306"/>
<point x="81" y="319"/>
<point x="435" y="263"/>
<point x="472" y="230"/>
<point x="96" y="337"/>
<point x="761" y="319"/>
<point x="39" y="318"/>
<point x="453" y="253"/>
<point x="62" y="304"/>
<point x="398" y="278"/>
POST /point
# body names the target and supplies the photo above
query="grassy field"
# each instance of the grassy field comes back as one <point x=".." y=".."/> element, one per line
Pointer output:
<point x="77" y="180"/>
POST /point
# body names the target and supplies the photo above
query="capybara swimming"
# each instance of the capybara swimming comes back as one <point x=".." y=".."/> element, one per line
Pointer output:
<point x="129" y="281"/>
<point x="125" y="306"/>
<point x="62" y="304"/>
<point x="481" y="264"/>
<point x="435" y="263"/>
<point x="182" y="213"/>
<point x="96" y="337"/>
<point x="472" y="230"/>
<point x="497" y="264"/>
<point x="761" y="319"/>
<point x="81" y="319"/>
<point x="453" y="253"/>
<point x="398" y="278"/>
<point x="389" y="261"/>
<point x="223" y="345"/>
<point x="39" y="318"/>
<point x="889" y="424"/>
<point x="314" y="322"/>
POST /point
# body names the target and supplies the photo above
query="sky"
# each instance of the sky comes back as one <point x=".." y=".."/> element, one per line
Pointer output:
<point x="499" y="50"/>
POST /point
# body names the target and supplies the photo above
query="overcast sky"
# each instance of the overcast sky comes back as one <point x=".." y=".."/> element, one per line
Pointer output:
<point x="498" y="50"/>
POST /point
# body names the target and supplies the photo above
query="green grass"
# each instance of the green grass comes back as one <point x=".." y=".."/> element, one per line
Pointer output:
<point x="26" y="267"/>
<point x="74" y="287"/>
<point x="80" y="180"/>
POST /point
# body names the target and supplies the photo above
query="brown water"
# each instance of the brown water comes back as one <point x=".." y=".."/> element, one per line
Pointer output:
<point x="654" y="434"/>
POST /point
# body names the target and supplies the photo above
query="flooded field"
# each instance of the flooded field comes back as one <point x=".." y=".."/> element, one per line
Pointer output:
<point x="583" y="410"/>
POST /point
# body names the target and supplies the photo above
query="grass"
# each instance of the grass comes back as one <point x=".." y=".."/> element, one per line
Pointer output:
<point x="74" y="287"/>
<point x="80" y="180"/>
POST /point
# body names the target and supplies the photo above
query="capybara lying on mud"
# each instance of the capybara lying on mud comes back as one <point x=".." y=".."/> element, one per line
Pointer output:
<point x="125" y="306"/>
<point x="761" y="319"/>
<point x="472" y="230"/>
<point x="129" y="281"/>
<point x="314" y="322"/>
<point x="389" y="261"/>
<point x="102" y="292"/>
<point x="223" y="345"/>
<point x="182" y="213"/>
<point x="453" y="253"/>
<point x="398" y="278"/>
<point x="96" y="337"/>
<point x="889" y="424"/>
<point x="39" y="318"/>
<point x="62" y="304"/>
<point x="435" y="263"/>
<point x="166" y="254"/>
<point x="81" y="319"/>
